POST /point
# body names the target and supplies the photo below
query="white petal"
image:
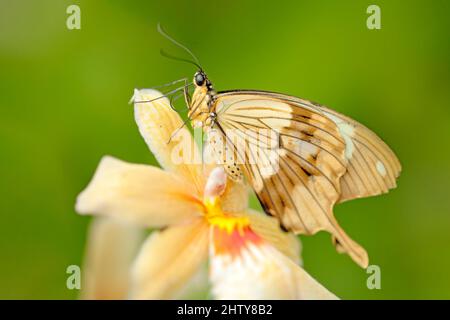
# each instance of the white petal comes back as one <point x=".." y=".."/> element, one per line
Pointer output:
<point x="174" y="148"/>
<point x="138" y="193"/>
<point x="269" y="229"/>
<point x="111" y="248"/>
<point x="168" y="260"/>
<point x="253" y="269"/>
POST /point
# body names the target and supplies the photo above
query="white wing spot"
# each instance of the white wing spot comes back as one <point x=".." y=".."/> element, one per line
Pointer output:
<point x="346" y="130"/>
<point x="380" y="168"/>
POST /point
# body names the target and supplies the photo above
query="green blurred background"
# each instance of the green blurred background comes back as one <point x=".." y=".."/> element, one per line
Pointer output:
<point x="64" y="97"/>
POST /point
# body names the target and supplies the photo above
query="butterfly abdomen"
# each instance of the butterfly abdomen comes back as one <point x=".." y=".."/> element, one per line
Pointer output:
<point x="224" y="155"/>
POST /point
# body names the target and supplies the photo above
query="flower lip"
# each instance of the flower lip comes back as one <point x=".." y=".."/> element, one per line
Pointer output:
<point x="233" y="237"/>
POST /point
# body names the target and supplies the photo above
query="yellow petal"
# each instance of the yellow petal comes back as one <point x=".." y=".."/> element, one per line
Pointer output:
<point x="169" y="259"/>
<point x="269" y="229"/>
<point x="254" y="269"/>
<point x="138" y="193"/>
<point x="160" y="126"/>
<point x="111" y="248"/>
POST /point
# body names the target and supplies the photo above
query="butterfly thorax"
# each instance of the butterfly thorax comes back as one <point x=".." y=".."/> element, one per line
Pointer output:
<point x="201" y="107"/>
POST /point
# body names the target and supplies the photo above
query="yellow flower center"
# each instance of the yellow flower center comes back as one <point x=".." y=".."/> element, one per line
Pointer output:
<point x="216" y="217"/>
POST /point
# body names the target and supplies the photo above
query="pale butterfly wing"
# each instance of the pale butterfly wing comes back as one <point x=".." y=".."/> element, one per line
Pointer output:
<point x="373" y="167"/>
<point x="299" y="180"/>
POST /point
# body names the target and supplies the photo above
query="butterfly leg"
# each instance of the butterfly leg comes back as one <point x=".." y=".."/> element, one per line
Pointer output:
<point x="187" y="97"/>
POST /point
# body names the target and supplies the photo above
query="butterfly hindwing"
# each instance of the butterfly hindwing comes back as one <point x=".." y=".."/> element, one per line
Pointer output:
<point x="373" y="168"/>
<point x="295" y="169"/>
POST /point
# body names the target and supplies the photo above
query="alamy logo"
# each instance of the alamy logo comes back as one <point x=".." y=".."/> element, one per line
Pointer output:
<point x="374" y="20"/>
<point x="374" y="280"/>
<point x="73" y="21"/>
<point x="73" y="281"/>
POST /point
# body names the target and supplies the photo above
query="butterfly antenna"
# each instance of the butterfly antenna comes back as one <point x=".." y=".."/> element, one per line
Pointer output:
<point x="167" y="55"/>
<point x="175" y="42"/>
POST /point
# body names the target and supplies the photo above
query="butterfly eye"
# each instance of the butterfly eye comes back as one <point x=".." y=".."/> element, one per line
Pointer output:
<point x="199" y="79"/>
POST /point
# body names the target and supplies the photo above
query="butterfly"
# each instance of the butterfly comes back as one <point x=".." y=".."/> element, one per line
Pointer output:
<point x="300" y="158"/>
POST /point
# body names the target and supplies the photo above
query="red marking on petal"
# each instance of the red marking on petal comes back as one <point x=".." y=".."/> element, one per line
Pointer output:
<point x="233" y="243"/>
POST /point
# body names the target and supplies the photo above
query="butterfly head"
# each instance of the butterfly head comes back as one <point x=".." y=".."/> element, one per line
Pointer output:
<point x="201" y="80"/>
<point x="200" y="111"/>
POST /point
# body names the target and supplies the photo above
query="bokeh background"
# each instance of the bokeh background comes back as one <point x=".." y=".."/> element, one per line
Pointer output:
<point x="63" y="104"/>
